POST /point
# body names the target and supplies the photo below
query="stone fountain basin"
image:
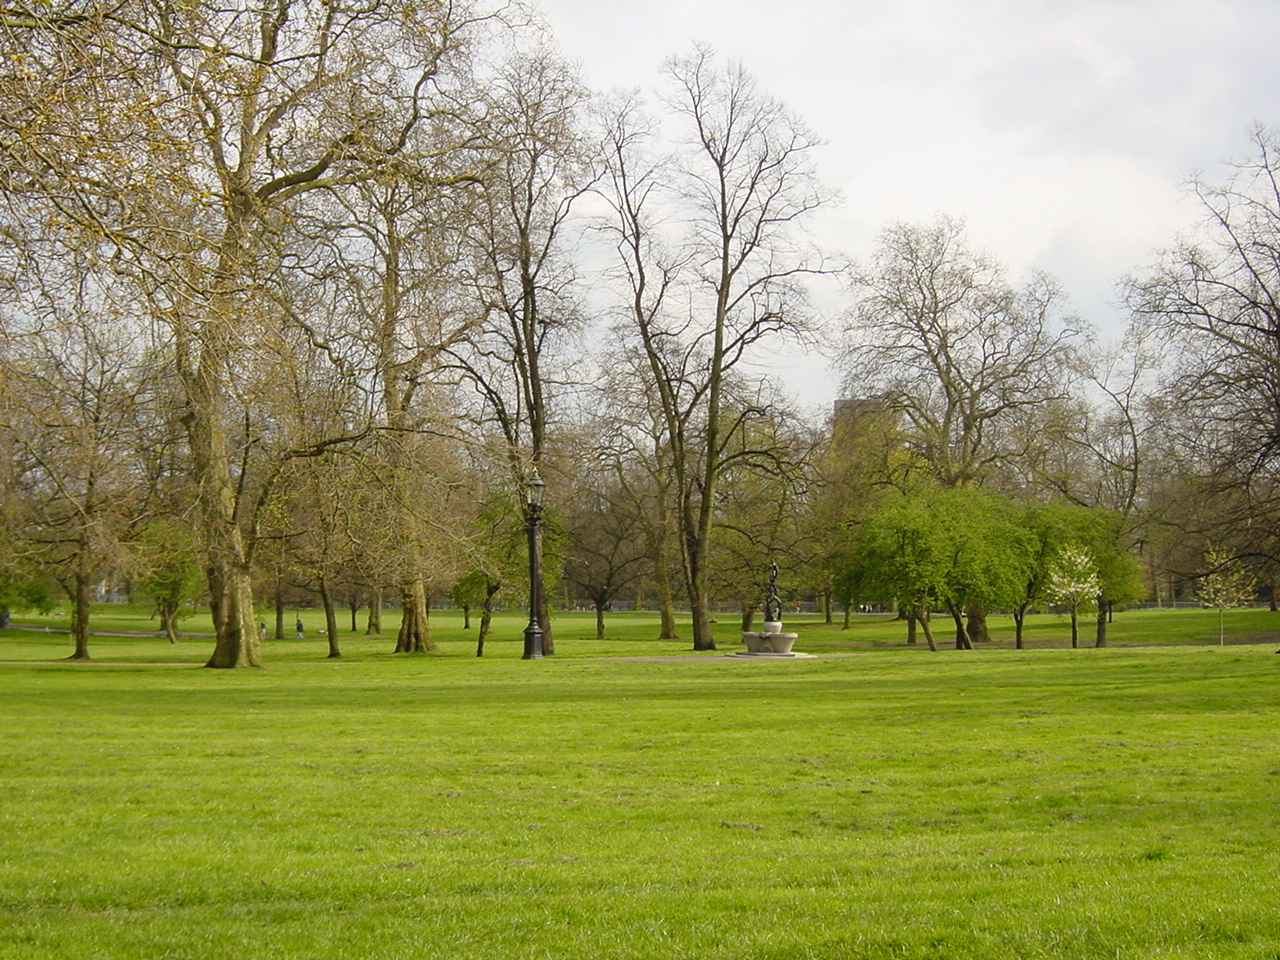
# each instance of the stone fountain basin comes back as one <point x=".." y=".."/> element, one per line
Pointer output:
<point x="768" y="641"/>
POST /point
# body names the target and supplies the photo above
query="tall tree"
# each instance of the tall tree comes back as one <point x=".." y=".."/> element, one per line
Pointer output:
<point x="1213" y="300"/>
<point x="940" y="336"/>
<point x="741" y="181"/>
<point x="524" y="272"/>
<point x="76" y="394"/>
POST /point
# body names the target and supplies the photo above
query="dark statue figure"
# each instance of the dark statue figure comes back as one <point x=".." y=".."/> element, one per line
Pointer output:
<point x="772" y="603"/>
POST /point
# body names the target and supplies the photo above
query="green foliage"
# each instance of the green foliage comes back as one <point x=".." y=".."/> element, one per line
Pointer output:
<point x="22" y="588"/>
<point x="1092" y="532"/>
<point x="470" y="590"/>
<point x="954" y="547"/>
<point x="167" y="552"/>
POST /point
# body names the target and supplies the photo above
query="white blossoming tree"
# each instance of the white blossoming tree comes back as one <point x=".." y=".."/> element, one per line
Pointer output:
<point x="1073" y="582"/>
<point x="1227" y="584"/>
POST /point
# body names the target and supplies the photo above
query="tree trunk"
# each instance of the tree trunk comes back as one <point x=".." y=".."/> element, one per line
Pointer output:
<point x="466" y="616"/>
<point x="748" y="616"/>
<point x="963" y="640"/>
<point x="486" y="615"/>
<point x="911" y="628"/>
<point x="330" y="618"/>
<point x="230" y="570"/>
<point x="826" y="607"/>
<point x="662" y="576"/>
<point x="697" y="581"/>
<point x="80" y="616"/>
<point x="1075" y="627"/>
<point x="977" y="626"/>
<point x="667" y="618"/>
<point x="168" y="616"/>
<point x="1100" y="635"/>
<point x="922" y="615"/>
<point x="415" y="629"/>
<point x="279" y="611"/>
<point x="702" y="639"/>
<point x="599" y="620"/>
<point x="1019" y="620"/>
<point x="238" y="645"/>
<point x="373" y="627"/>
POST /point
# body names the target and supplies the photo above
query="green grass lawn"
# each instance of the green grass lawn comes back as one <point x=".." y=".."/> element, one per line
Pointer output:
<point x="886" y="803"/>
<point x="128" y="634"/>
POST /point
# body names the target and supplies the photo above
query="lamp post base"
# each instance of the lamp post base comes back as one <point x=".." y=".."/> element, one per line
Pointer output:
<point x="532" y="642"/>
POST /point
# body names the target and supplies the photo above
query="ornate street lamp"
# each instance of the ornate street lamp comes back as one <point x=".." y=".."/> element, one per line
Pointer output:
<point x="534" y="487"/>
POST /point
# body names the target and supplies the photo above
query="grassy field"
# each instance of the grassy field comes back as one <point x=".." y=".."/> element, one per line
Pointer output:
<point x="125" y="633"/>
<point x="884" y="803"/>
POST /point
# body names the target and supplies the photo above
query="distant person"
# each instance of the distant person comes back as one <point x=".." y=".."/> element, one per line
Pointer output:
<point x="298" y="627"/>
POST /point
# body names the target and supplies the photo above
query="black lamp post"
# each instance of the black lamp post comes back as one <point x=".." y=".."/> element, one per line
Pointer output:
<point x="533" y="519"/>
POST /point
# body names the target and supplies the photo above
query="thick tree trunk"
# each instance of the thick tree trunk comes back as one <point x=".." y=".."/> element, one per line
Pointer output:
<point x="698" y="603"/>
<point x="748" y="616"/>
<point x="238" y="645"/>
<point x="826" y="607"/>
<point x="1100" y="635"/>
<point x="486" y="615"/>
<point x="1075" y="627"/>
<point x="1019" y="621"/>
<point x="599" y="620"/>
<point x="415" y="626"/>
<point x="977" y="625"/>
<point x="330" y="618"/>
<point x="229" y="569"/>
<point x="702" y="639"/>
<point x="912" y="620"/>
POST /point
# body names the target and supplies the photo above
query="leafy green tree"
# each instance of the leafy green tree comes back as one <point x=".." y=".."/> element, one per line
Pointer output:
<point x="936" y="547"/>
<point x="166" y="550"/>
<point x="1056" y="526"/>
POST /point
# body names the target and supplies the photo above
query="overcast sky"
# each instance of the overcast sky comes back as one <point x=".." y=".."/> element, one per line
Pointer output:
<point x="1062" y="131"/>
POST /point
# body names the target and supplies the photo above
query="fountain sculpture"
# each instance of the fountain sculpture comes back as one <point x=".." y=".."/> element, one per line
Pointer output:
<point x="769" y="641"/>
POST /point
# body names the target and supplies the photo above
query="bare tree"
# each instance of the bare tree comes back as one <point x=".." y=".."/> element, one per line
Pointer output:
<point x="732" y="197"/>
<point x="940" y="336"/>
<point x="524" y="273"/>
<point x="1215" y="303"/>
<point x="76" y="394"/>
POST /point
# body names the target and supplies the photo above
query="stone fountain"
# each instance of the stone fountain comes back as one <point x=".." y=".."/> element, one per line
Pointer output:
<point x="769" y="641"/>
